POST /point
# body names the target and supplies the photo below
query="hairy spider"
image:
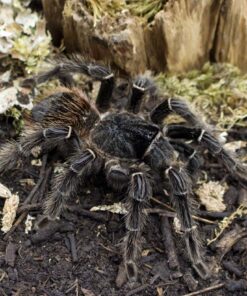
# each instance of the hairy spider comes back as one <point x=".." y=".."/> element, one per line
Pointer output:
<point x="129" y="148"/>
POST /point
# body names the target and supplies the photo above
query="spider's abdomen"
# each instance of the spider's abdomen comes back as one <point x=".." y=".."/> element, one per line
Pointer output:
<point x="124" y="135"/>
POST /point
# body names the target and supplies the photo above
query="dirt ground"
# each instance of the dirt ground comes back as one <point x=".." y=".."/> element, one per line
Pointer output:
<point x="81" y="254"/>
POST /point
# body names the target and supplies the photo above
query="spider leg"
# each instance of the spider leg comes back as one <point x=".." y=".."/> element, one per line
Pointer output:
<point x="139" y="192"/>
<point x="160" y="156"/>
<point x="137" y="184"/>
<point x="77" y="169"/>
<point x="117" y="176"/>
<point x="174" y="105"/>
<point x="141" y="86"/>
<point x="77" y="65"/>
<point x="180" y="192"/>
<point x="64" y="77"/>
<point x="209" y="142"/>
<point x="45" y="139"/>
<point x="190" y="155"/>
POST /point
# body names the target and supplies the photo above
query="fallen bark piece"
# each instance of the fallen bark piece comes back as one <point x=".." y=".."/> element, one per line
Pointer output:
<point x="10" y="254"/>
<point x="225" y="244"/>
<point x="233" y="268"/>
<point x="9" y="212"/>
<point x="49" y="229"/>
<point x="234" y="286"/>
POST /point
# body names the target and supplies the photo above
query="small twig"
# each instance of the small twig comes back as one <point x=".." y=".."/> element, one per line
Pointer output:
<point x="193" y="216"/>
<point x="93" y="215"/>
<point x="169" y="243"/>
<point x="161" y="212"/>
<point x="41" y="178"/>
<point x="108" y="249"/>
<point x="71" y="238"/>
<point x="73" y="286"/>
<point x="35" y="206"/>
<point x="15" y="225"/>
<point x="137" y="290"/>
<point x="162" y="203"/>
<point x="43" y="186"/>
<point x="28" y="200"/>
<point x="213" y="215"/>
<point x="199" y="292"/>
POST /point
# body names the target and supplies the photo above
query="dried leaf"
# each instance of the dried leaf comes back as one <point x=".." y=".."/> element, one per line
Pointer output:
<point x="4" y="191"/>
<point x="235" y="145"/>
<point x="9" y="212"/>
<point x="87" y="292"/>
<point x="211" y="196"/>
<point x="29" y="223"/>
<point x="27" y="182"/>
<point x="116" y="208"/>
<point x="36" y="162"/>
<point x="145" y="252"/>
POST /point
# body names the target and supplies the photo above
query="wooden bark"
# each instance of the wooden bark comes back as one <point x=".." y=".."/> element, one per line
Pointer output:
<point x="53" y="12"/>
<point x="120" y="41"/>
<point x="183" y="36"/>
<point x="231" y="37"/>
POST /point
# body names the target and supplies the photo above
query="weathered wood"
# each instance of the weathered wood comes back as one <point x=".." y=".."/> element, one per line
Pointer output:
<point x="231" y="36"/>
<point x="120" y="41"/>
<point x="183" y="35"/>
<point x="53" y="10"/>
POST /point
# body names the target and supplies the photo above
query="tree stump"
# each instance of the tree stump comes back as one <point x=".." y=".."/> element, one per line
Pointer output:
<point x="231" y="36"/>
<point x="182" y="36"/>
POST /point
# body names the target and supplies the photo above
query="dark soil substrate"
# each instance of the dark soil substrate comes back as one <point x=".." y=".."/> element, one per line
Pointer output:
<point x="29" y="267"/>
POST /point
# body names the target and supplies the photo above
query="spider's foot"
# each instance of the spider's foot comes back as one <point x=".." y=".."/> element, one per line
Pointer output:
<point x="201" y="269"/>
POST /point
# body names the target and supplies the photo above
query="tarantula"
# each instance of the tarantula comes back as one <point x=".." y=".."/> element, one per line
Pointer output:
<point x="131" y="149"/>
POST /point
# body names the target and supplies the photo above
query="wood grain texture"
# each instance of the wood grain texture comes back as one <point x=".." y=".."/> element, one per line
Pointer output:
<point x="231" y="36"/>
<point x="183" y="35"/>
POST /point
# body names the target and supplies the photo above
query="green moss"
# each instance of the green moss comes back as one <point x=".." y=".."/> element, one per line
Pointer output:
<point x="98" y="8"/>
<point x="145" y="8"/>
<point x="218" y="90"/>
<point x="16" y="114"/>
